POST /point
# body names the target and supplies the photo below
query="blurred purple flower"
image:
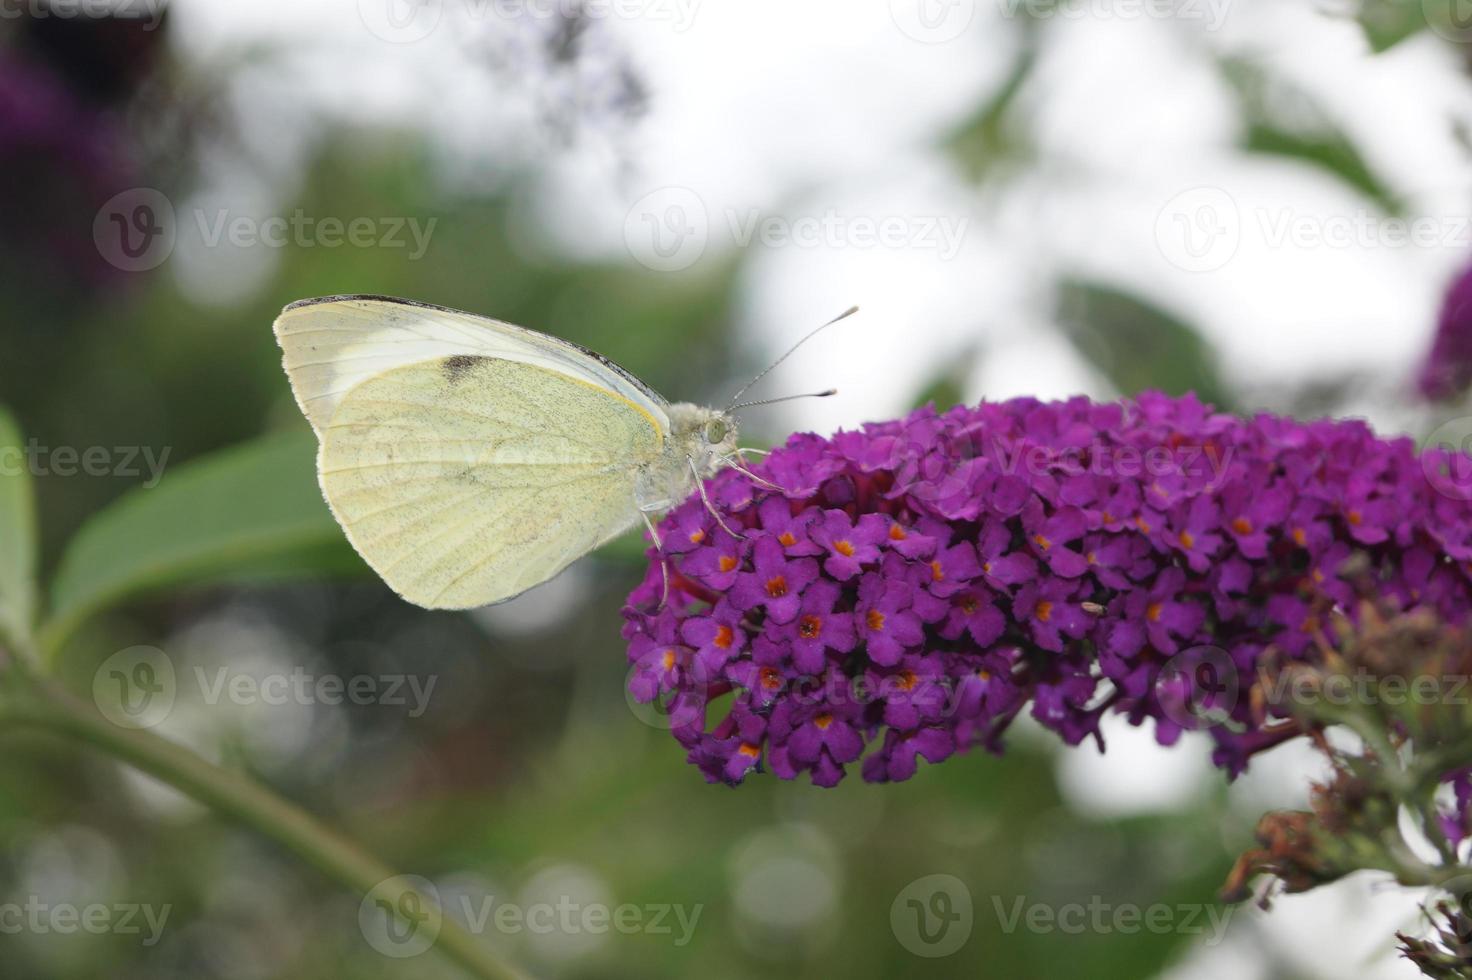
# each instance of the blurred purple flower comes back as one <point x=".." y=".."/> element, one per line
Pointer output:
<point x="926" y="579"/>
<point x="1447" y="370"/>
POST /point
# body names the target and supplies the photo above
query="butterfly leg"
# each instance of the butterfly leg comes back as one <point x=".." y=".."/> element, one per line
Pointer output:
<point x="700" y="485"/>
<point x="664" y="566"/>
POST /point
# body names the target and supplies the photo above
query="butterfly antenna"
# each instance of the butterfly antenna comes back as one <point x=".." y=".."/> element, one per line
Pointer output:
<point x="811" y="334"/>
<point x="785" y="398"/>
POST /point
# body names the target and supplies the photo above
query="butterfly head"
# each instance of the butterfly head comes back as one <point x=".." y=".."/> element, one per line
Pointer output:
<point x="706" y="435"/>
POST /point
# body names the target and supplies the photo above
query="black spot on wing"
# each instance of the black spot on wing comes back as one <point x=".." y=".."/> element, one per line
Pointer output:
<point x="456" y="366"/>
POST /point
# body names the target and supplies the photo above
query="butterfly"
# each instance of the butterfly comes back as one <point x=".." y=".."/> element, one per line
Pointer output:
<point x="468" y="460"/>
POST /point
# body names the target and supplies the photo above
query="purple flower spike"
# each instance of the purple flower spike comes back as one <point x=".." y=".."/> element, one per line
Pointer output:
<point x="922" y="582"/>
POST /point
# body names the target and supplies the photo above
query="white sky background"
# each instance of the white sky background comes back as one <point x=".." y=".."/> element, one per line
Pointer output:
<point x="769" y="107"/>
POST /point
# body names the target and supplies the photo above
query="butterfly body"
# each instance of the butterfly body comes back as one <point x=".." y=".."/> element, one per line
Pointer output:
<point x="468" y="460"/>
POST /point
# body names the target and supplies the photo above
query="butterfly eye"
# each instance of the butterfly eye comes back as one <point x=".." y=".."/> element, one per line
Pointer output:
<point x="715" y="431"/>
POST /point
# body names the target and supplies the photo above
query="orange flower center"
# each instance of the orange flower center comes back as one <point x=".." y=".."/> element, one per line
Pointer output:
<point x="749" y="750"/>
<point x="809" y="627"/>
<point x="1188" y="540"/>
<point x="1356" y="518"/>
<point x="777" y="586"/>
<point x="668" y="659"/>
<point x="1300" y="536"/>
<point x="844" y="548"/>
<point x="724" y="637"/>
<point x="875" y="620"/>
<point x="1042" y="541"/>
<point x="906" y="679"/>
<point x="969" y="605"/>
<point x="1044" y="610"/>
<point x="771" y="679"/>
<point x="823" y="720"/>
<point x="1153" y="612"/>
<point x="727" y="562"/>
<point x="936" y="572"/>
<point x="897" y="533"/>
<point x="1142" y="524"/>
<point x="787" y="539"/>
<point x="1242" y="526"/>
<point x="697" y="536"/>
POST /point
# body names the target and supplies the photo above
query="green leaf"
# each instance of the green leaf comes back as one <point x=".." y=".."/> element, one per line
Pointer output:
<point x="1137" y="345"/>
<point x="992" y="137"/>
<point x="1386" y="23"/>
<point x="251" y="513"/>
<point x="1285" y="121"/>
<point x="948" y="388"/>
<point x="17" y="533"/>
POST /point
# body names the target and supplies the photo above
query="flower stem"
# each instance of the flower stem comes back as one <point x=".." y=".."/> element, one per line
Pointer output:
<point x="42" y="705"/>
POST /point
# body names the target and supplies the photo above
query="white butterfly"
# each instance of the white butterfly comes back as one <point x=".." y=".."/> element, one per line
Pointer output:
<point x="467" y="459"/>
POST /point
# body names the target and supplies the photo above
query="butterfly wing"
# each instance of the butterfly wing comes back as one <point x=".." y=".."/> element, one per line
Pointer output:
<point x="332" y="344"/>
<point x="465" y="481"/>
<point x="466" y="459"/>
